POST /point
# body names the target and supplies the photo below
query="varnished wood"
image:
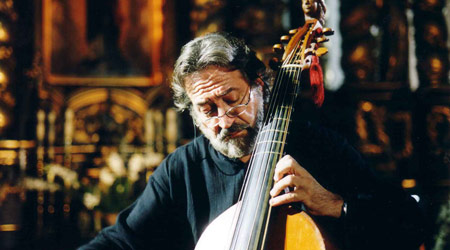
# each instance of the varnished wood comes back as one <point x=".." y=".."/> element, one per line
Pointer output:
<point x="292" y="229"/>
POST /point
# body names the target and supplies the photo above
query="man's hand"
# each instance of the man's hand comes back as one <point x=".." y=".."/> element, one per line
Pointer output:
<point x="305" y="189"/>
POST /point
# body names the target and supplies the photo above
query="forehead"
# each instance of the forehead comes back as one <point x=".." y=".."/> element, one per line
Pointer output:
<point x="214" y="81"/>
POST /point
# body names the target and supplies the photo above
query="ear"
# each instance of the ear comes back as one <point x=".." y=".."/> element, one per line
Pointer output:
<point x="193" y="116"/>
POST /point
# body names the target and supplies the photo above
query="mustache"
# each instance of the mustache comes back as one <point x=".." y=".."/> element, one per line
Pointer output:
<point x="234" y="128"/>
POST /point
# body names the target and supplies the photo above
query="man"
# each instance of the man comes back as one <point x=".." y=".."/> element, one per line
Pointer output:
<point x="223" y="85"/>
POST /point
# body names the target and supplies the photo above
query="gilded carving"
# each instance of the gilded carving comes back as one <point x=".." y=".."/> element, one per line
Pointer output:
<point x="358" y="19"/>
<point x="36" y="74"/>
<point x="429" y="5"/>
<point x="431" y="39"/>
<point x="4" y="33"/>
<point x="5" y="52"/>
<point x="7" y="189"/>
<point x="106" y="116"/>
<point x="7" y="7"/>
<point x="40" y="135"/>
<point x="433" y="68"/>
<point x="171" y="130"/>
<point x="205" y="16"/>
<point x="122" y="50"/>
<point x="361" y="62"/>
<point x="438" y="128"/>
<point x="405" y="119"/>
<point x="434" y="35"/>
<point x="394" y="56"/>
<point x="375" y="138"/>
<point x="368" y="112"/>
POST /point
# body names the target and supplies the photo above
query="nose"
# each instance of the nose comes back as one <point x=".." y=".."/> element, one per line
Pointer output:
<point x="226" y="122"/>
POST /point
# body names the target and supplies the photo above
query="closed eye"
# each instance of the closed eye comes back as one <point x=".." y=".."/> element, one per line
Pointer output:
<point x="231" y="102"/>
<point x="208" y="110"/>
<point x="231" y="99"/>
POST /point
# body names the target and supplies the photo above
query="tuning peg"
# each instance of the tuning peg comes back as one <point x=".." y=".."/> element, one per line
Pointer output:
<point x="322" y="39"/>
<point x="274" y="64"/>
<point x="278" y="48"/>
<point x="328" y="31"/>
<point x="321" y="51"/>
<point x="285" y="39"/>
<point x="292" y="32"/>
<point x="309" y="51"/>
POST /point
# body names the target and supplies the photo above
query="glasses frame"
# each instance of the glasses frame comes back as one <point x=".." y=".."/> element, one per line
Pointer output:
<point x="227" y="113"/>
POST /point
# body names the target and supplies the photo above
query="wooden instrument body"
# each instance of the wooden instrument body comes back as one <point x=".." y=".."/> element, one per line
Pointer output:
<point x="291" y="230"/>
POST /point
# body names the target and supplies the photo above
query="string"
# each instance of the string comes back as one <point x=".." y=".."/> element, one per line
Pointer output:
<point x="267" y="135"/>
<point x="293" y="77"/>
<point x="272" y="138"/>
<point x="286" y="111"/>
<point x="276" y="123"/>
<point x="257" y="149"/>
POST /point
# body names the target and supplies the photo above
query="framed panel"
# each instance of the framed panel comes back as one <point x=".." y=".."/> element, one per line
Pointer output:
<point x="102" y="42"/>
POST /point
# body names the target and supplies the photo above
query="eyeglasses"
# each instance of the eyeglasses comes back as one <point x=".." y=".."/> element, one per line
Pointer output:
<point x="231" y="112"/>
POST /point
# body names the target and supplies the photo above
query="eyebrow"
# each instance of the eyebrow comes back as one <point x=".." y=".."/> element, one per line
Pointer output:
<point x="226" y="92"/>
<point x="202" y="103"/>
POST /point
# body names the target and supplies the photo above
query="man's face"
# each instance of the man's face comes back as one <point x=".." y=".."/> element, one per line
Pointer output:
<point x="213" y="91"/>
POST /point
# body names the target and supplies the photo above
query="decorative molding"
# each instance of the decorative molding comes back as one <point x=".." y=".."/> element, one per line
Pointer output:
<point x="81" y="51"/>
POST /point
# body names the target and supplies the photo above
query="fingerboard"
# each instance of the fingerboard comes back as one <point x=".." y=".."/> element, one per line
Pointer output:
<point x="269" y="148"/>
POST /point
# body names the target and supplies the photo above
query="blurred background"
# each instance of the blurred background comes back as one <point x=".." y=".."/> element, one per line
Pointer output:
<point x="86" y="112"/>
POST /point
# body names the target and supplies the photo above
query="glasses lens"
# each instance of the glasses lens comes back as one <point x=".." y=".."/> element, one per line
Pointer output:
<point x="238" y="110"/>
<point x="232" y="112"/>
<point x="213" y="121"/>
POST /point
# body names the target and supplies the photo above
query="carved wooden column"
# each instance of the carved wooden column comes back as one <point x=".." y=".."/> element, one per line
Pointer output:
<point x="8" y="60"/>
<point x="434" y="112"/>
<point x="375" y="62"/>
<point x="14" y="150"/>
<point x="431" y="38"/>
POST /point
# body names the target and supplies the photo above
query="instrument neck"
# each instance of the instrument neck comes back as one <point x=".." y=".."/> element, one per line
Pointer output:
<point x="251" y="222"/>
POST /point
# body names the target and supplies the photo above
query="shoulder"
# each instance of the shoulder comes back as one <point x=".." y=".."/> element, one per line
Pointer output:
<point x="176" y="164"/>
<point x="195" y="150"/>
<point x="186" y="156"/>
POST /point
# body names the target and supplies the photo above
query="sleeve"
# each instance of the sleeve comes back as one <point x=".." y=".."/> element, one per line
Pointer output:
<point x="379" y="215"/>
<point x="143" y="225"/>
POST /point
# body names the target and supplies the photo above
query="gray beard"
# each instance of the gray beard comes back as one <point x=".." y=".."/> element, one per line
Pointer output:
<point x="235" y="147"/>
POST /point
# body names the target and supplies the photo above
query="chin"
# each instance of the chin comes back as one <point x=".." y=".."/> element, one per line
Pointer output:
<point x="231" y="147"/>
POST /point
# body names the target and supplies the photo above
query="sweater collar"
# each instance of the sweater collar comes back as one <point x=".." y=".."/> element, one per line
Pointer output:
<point x="229" y="166"/>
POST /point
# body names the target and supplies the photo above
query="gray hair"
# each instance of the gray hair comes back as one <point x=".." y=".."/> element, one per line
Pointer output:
<point x="215" y="49"/>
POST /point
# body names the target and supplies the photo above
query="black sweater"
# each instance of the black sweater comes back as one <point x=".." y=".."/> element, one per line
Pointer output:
<point x="195" y="184"/>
